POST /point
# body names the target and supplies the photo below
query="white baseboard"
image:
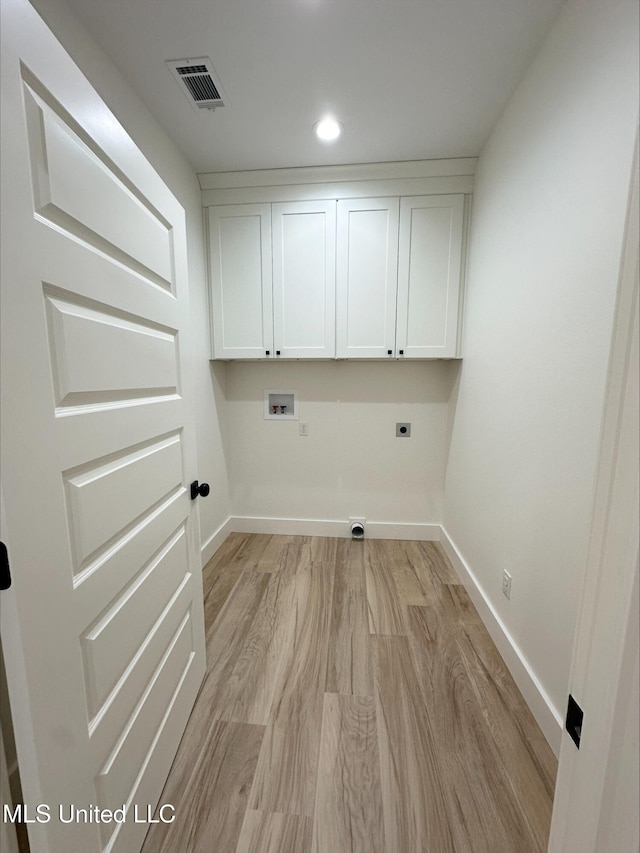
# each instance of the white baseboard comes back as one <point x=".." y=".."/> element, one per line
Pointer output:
<point x="546" y="714"/>
<point x="339" y="529"/>
<point x="215" y="541"/>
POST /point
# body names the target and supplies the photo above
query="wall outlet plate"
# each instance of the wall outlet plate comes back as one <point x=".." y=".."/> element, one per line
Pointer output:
<point x="506" y="584"/>
<point x="403" y="430"/>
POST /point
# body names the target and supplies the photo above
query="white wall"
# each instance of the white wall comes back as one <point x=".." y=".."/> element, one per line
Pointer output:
<point x="549" y="207"/>
<point x="351" y="464"/>
<point x="180" y="177"/>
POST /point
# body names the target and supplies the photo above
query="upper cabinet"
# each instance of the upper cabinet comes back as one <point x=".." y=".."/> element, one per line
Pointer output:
<point x="304" y="279"/>
<point x="241" y="280"/>
<point x="272" y="271"/>
<point x="399" y="277"/>
<point x="359" y="275"/>
<point x="367" y="278"/>
<point x="429" y="276"/>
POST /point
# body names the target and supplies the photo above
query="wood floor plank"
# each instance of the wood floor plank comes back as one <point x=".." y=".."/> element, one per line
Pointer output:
<point x="412" y="782"/>
<point x="437" y="562"/>
<point x="219" y="588"/>
<point x="495" y="684"/>
<point x="211" y="812"/>
<point x="274" y="554"/>
<point x="325" y="549"/>
<point x="531" y="765"/>
<point x="387" y="615"/>
<point x="460" y="608"/>
<point x="220" y="574"/>
<point x="234" y="618"/>
<point x="247" y="695"/>
<point x="224" y="555"/>
<point x="248" y="556"/>
<point x="412" y="583"/>
<point x="265" y="832"/>
<point x="285" y="778"/>
<point x="224" y="642"/>
<point x="484" y="812"/>
<point x="349" y="668"/>
<point x="348" y="813"/>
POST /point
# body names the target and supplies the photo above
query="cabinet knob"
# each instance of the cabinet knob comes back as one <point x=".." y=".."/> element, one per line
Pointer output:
<point x="267" y="352"/>
<point x="277" y="352"/>
<point x="389" y="352"/>
<point x="401" y="352"/>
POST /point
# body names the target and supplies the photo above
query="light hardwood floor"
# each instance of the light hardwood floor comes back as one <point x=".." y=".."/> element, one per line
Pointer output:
<point x="353" y="703"/>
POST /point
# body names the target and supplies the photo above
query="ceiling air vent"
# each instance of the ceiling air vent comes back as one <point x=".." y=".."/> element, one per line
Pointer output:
<point x="199" y="82"/>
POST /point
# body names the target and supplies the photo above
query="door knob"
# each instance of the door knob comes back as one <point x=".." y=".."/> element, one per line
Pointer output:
<point x="5" y="573"/>
<point x="201" y="489"/>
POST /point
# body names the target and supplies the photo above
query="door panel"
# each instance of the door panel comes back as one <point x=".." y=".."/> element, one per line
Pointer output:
<point x="130" y="485"/>
<point x="70" y="174"/>
<point x="97" y="451"/>
<point x="115" y="713"/>
<point x="117" y="777"/>
<point x="110" y="643"/>
<point x="133" y="357"/>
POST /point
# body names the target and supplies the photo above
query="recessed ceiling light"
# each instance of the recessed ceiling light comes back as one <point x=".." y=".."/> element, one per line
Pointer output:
<point x="328" y="129"/>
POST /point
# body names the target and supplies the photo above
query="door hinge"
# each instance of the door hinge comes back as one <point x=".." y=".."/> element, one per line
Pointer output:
<point x="574" y="720"/>
<point x="5" y="573"/>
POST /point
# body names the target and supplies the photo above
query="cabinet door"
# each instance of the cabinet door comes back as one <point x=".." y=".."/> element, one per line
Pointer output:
<point x="430" y="262"/>
<point x="240" y="266"/>
<point x="304" y="275"/>
<point x="367" y="277"/>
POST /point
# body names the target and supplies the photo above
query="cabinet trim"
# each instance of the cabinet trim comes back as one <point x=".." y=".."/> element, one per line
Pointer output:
<point x="412" y="169"/>
<point x="437" y="185"/>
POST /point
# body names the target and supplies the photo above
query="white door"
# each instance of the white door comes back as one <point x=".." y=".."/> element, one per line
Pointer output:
<point x="429" y="272"/>
<point x="240" y="273"/>
<point x="103" y="627"/>
<point x="367" y="278"/>
<point x="304" y="279"/>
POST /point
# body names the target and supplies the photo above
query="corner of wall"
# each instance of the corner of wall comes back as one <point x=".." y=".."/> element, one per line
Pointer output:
<point x="546" y="714"/>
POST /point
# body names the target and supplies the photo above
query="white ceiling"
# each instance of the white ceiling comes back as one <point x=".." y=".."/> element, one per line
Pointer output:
<point x="409" y="79"/>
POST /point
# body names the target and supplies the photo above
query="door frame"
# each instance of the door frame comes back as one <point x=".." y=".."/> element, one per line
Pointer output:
<point x="604" y="666"/>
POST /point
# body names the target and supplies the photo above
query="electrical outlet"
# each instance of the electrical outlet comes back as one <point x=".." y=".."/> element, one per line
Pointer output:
<point x="303" y="429"/>
<point x="506" y="584"/>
